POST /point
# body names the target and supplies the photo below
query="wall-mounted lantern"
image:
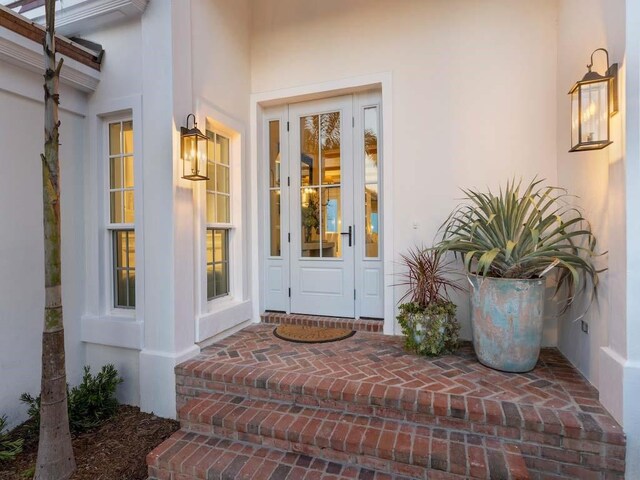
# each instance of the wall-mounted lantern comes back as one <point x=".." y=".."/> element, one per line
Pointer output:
<point x="594" y="99"/>
<point x="194" y="152"/>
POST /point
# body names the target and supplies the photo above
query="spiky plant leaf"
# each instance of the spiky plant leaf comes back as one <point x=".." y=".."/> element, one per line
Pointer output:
<point x="524" y="232"/>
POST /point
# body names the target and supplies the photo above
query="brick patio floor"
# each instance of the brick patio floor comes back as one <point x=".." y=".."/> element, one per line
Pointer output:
<point x="370" y="410"/>
<point x="381" y="360"/>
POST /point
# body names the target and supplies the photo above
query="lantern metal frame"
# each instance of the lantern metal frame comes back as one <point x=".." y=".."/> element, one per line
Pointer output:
<point x="610" y="76"/>
<point x="194" y="132"/>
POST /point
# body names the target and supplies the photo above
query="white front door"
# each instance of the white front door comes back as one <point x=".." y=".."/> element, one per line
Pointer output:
<point x="321" y="217"/>
<point x="322" y="248"/>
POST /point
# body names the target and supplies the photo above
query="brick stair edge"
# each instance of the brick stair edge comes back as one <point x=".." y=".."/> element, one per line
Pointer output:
<point x="176" y="456"/>
<point x="227" y="414"/>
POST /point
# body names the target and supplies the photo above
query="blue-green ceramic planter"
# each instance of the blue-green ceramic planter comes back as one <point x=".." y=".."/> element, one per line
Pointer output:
<point x="507" y="318"/>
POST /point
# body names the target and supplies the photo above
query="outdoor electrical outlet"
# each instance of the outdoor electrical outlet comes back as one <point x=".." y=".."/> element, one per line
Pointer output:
<point x="585" y="327"/>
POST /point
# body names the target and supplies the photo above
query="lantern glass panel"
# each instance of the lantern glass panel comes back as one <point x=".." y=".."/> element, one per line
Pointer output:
<point x="188" y="154"/>
<point x="575" y="118"/>
<point x="595" y="112"/>
<point x="202" y="156"/>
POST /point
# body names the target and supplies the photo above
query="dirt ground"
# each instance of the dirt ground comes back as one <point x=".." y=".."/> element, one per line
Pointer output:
<point x="114" y="451"/>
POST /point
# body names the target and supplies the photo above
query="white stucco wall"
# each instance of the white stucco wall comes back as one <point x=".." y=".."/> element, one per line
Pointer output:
<point x="21" y="241"/>
<point x="596" y="177"/>
<point x="474" y="91"/>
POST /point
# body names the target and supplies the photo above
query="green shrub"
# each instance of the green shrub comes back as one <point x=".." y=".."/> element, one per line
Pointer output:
<point x="431" y="330"/>
<point x="90" y="403"/>
<point x="8" y="448"/>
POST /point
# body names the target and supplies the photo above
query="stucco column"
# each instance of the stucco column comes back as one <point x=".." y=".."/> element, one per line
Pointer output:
<point x="167" y="205"/>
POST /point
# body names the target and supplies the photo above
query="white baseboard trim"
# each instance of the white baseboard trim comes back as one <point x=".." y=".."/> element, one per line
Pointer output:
<point x="158" y="380"/>
<point x="612" y="366"/>
<point x="227" y="316"/>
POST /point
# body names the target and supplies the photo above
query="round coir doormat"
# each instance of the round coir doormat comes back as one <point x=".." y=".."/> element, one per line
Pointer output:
<point x="306" y="334"/>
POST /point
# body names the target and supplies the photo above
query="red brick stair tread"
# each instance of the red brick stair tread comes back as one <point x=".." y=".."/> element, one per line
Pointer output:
<point x="189" y="456"/>
<point x="366" y="440"/>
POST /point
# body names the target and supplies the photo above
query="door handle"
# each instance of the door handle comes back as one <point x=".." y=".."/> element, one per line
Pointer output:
<point x="348" y="233"/>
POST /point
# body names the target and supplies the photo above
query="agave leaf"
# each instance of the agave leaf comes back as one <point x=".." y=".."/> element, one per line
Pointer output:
<point x="510" y="246"/>
<point x="486" y="259"/>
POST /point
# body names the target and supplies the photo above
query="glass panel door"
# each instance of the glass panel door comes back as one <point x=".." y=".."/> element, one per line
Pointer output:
<point x="320" y="188"/>
<point x="322" y="210"/>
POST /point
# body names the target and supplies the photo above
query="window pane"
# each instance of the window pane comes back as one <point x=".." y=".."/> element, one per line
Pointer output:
<point x="121" y="288"/>
<point x="222" y="179"/>
<point x="222" y="147"/>
<point x="132" y="288"/>
<point x="274" y="215"/>
<point x="209" y="246"/>
<point x="131" y="247"/>
<point x="310" y="219"/>
<point x="116" y="206"/>
<point x="129" y="211"/>
<point x="309" y="131"/>
<point x="114" y="138"/>
<point x="330" y="147"/>
<point x="120" y="248"/>
<point x="221" y="279"/>
<point x="128" y="172"/>
<point x="274" y="153"/>
<point x="211" y="207"/>
<point x="210" y="284"/>
<point x="127" y="137"/>
<point x="371" y="174"/>
<point x="219" y="245"/>
<point x="331" y="223"/>
<point x="222" y="205"/>
<point x="371" y="220"/>
<point x="124" y="268"/>
<point x="115" y="172"/>
<point x="217" y="262"/>
<point x="371" y="145"/>
<point x="211" y="183"/>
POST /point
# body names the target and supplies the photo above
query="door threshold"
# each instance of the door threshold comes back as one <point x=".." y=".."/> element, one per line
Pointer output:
<point x="360" y="324"/>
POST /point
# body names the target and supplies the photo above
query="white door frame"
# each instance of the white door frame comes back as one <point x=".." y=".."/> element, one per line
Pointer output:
<point x="259" y="101"/>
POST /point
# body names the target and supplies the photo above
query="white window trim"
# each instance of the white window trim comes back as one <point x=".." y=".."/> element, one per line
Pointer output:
<point x="101" y="322"/>
<point x="109" y="227"/>
<point x="222" y="313"/>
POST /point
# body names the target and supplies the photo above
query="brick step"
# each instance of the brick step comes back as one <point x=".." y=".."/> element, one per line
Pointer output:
<point x="390" y="446"/>
<point x="189" y="456"/>
<point x="465" y="413"/>
<point x="553" y="442"/>
<point x="361" y="325"/>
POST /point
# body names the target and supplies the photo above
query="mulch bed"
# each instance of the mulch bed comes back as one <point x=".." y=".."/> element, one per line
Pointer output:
<point x="115" y="450"/>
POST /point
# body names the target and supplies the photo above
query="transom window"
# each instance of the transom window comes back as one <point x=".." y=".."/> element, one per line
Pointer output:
<point x="122" y="213"/>
<point x="218" y="215"/>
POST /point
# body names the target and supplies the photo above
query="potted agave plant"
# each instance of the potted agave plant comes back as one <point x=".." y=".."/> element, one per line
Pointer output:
<point x="509" y="243"/>
<point x="428" y="318"/>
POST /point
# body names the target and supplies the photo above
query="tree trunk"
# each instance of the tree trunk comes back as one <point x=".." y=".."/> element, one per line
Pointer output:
<point x="55" y="453"/>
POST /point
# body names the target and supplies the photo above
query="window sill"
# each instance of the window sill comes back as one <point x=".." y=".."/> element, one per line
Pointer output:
<point x="223" y="314"/>
<point x="119" y="329"/>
